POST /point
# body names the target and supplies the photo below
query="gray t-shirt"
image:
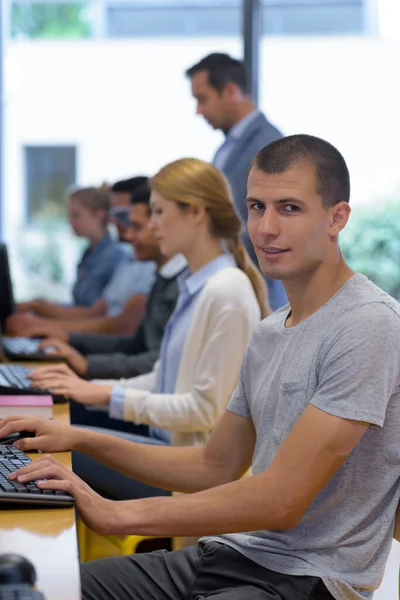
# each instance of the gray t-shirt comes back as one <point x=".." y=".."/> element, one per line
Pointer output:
<point x="345" y="360"/>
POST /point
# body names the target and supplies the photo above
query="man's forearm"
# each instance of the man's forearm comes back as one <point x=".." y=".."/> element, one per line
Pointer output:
<point x="104" y="324"/>
<point x="248" y="504"/>
<point x="116" y="366"/>
<point x="180" y="469"/>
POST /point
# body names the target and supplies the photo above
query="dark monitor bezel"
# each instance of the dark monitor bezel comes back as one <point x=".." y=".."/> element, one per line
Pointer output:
<point x="6" y="290"/>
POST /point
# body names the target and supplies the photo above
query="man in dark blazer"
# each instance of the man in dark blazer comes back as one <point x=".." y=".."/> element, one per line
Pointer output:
<point x="220" y="87"/>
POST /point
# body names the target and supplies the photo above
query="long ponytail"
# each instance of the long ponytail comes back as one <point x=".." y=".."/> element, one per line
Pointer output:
<point x="245" y="263"/>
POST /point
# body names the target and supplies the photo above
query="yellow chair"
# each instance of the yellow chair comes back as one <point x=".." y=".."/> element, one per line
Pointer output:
<point x="93" y="546"/>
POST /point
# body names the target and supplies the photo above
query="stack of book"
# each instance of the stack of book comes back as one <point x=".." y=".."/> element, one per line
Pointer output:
<point x="26" y="405"/>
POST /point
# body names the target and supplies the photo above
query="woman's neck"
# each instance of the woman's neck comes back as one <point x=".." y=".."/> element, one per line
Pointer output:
<point x="201" y="254"/>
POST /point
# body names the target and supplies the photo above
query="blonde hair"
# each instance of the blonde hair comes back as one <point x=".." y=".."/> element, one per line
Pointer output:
<point x="92" y="198"/>
<point x="190" y="181"/>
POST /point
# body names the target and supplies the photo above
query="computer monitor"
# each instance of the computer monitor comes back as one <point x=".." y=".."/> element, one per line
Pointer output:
<point x="6" y="291"/>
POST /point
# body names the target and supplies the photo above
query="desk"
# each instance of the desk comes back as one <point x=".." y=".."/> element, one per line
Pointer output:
<point x="47" y="537"/>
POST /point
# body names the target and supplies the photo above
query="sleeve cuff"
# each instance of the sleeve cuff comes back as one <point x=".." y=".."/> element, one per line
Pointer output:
<point x="116" y="406"/>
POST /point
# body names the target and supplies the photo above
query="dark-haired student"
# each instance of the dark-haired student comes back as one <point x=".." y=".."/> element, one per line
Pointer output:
<point x="315" y="412"/>
<point x="122" y="304"/>
<point x="220" y="87"/>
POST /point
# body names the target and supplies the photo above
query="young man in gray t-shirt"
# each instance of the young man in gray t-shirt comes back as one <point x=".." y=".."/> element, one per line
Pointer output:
<point x="316" y="413"/>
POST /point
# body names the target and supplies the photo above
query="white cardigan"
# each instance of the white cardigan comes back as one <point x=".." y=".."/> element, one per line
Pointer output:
<point x="225" y="316"/>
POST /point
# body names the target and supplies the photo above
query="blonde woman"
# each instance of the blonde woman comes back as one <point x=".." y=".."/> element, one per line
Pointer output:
<point x="222" y="298"/>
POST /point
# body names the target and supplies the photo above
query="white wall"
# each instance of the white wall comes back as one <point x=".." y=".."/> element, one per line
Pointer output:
<point x="345" y="90"/>
<point x="126" y="105"/>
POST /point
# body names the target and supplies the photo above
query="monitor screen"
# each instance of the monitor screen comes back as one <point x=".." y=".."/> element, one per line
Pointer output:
<point x="6" y="292"/>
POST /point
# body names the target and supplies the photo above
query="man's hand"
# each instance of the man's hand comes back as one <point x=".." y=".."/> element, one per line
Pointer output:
<point x="74" y="358"/>
<point x="31" y="305"/>
<point x="60" y="379"/>
<point x="26" y="325"/>
<point x="96" y="512"/>
<point x="50" y="435"/>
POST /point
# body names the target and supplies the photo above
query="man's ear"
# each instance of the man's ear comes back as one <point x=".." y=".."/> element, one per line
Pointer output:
<point x="340" y="214"/>
<point x="231" y="91"/>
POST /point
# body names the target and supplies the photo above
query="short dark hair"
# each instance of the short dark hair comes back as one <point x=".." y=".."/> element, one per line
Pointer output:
<point x="128" y="185"/>
<point x="141" y="195"/>
<point x="221" y="69"/>
<point x="332" y="174"/>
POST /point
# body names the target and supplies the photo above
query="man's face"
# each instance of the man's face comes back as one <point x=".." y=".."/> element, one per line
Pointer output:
<point x="140" y="235"/>
<point x="213" y="105"/>
<point x="293" y="233"/>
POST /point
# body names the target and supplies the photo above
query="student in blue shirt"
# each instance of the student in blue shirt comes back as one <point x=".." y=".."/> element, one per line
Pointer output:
<point x="122" y="300"/>
<point x="88" y="210"/>
<point x="88" y="214"/>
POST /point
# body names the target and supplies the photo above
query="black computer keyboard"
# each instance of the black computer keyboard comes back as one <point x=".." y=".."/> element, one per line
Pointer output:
<point x="14" y="381"/>
<point x="22" y="348"/>
<point x="21" y="345"/>
<point x="12" y="459"/>
<point x="19" y="591"/>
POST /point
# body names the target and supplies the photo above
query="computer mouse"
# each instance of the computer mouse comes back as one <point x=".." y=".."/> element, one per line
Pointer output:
<point x="16" y="569"/>
<point x="18" y="435"/>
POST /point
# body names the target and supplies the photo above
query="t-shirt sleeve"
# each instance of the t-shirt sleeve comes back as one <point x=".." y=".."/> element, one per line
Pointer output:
<point x="359" y="368"/>
<point x="238" y="402"/>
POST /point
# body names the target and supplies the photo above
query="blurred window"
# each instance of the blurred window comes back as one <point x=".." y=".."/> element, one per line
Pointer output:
<point x="300" y="17"/>
<point x="49" y="171"/>
<point x="172" y="21"/>
<point x="49" y="20"/>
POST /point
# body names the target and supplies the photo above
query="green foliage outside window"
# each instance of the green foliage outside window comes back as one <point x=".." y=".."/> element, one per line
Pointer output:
<point x="49" y="20"/>
<point x="371" y="244"/>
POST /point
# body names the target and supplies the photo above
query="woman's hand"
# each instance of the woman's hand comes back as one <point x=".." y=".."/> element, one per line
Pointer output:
<point x="60" y="379"/>
<point x="97" y="512"/>
<point x="50" y="436"/>
<point x="74" y="358"/>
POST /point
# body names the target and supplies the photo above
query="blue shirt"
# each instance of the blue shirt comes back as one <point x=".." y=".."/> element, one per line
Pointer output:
<point x="190" y="286"/>
<point x="222" y="155"/>
<point x="276" y="291"/>
<point x="131" y="276"/>
<point x="95" y="270"/>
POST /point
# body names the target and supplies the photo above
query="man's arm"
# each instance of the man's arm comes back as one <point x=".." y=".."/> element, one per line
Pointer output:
<point x="87" y="343"/>
<point x="183" y="469"/>
<point x="278" y="498"/>
<point x="117" y="366"/>
<point x="53" y="310"/>
<point x="186" y="469"/>
<point x="126" y="322"/>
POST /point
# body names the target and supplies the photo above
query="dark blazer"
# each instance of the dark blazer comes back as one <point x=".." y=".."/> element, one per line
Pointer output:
<point x="258" y="134"/>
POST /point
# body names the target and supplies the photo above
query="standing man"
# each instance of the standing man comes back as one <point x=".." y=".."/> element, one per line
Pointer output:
<point x="220" y="87"/>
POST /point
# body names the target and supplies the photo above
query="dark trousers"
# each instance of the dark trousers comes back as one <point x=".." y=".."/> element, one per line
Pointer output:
<point x="79" y="415"/>
<point x="210" y="570"/>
